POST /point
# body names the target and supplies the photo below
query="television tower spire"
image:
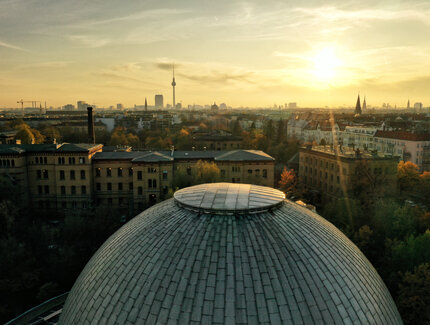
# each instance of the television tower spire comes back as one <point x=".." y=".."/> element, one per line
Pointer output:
<point x="173" y="85"/>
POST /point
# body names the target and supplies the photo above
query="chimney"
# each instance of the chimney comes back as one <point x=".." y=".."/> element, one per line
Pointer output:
<point x="91" y="131"/>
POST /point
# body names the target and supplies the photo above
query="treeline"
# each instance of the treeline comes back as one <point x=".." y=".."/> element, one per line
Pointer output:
<point x="393" y="231"/>
<point x="42" y="255"/>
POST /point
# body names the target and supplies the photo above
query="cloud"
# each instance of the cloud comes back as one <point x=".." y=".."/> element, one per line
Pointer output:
<point x="90" y="41"/>
<point x="11" y="46"/>
<point x="45" y="65"/>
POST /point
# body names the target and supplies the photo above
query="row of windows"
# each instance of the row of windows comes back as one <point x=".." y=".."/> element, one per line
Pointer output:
<point x="7" y="162"/>
<point x="74" y="205"/>
<point x="42" y="174"/>
<point x="120" y="173"/>
<point x="73" y="190"/>
<point x="152" y="183"/>
<point x="72" y="174"/>
<point x="71" y="160"/>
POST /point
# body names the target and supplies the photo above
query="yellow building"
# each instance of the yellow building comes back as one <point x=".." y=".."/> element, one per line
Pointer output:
<point x="335" y="172"/>
<point x="69" y="177"/>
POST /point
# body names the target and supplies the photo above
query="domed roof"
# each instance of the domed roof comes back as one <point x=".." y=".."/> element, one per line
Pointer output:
<point x="182" y="262"/>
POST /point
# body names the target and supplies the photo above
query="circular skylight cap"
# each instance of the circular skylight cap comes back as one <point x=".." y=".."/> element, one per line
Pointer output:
<point x="229" y="198"/>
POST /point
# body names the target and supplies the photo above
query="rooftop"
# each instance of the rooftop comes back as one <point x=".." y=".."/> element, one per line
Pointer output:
<point x="47" y="148"/>
<point x="228" y="197"/>
<point x="347" y="152"/>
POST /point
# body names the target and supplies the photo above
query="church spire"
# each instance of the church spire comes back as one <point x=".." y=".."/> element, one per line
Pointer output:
<point x="364" y="107"/>
<point x="358" y="106"/>
<point x="146" y="104"/>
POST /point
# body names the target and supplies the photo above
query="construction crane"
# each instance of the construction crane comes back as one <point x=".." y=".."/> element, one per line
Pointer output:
<point x="33" y="103"/>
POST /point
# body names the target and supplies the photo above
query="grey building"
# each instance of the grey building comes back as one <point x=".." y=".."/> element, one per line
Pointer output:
<point x="227" y="253"/>
<point x="159" y="101"/>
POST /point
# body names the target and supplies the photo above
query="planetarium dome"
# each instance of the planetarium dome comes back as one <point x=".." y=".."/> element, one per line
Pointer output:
<point x="229" y="254"/>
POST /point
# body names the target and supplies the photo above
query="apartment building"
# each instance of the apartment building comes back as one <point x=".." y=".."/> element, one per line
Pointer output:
<point x="333" y="172"/>
<point x="69" y="177"/>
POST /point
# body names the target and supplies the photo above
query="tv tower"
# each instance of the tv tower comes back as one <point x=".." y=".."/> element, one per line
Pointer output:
<point x="173" y="85"/>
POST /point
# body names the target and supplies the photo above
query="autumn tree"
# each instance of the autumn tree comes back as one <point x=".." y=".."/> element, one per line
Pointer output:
<point x="205" y="172"/>
<point x="288" y="181"/>
<point x="407" y="175"/>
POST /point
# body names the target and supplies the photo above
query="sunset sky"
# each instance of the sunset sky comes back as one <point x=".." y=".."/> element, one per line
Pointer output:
<point x="243" y="53"/>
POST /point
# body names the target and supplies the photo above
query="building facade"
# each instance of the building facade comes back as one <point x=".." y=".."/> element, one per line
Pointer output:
<point x="69" y="177"/>
<point x="333" y="173"/>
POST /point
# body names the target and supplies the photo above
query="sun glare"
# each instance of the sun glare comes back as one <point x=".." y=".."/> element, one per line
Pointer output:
<point x="325" y="64"/>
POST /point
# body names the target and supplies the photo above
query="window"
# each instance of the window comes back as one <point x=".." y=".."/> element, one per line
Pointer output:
<point x="164" y="174"/>
<point x="264" y="173"/>
<point x="63" y="190"/>
<point x="83" y="189"/>
<point x="120" y="201"/>
<point x="119" y="172"/>
<point x="98" y="187"/>
<point x="45" y="174"/>
<point x="109" y="186"/>
<point x="152" y="170"/>
<point x="37" y="160"/>
<point x="73" y="190"/>
<point x="110" y="201"/>
<point x="61" y="160"/>
<point x="98" y="173"/>
<point x="13" y="162"/>
<point x="235" y="169"/>
<point x="39" y="174"/>
<point x="81" y="160"/>
<point x="82" y="174"/>
<point x="46" y="189"/>
<point x="119" y="186"/>
<point x="150" y="183"/>
<point x="249" y="171"/>
<point x="62" y="175"/>
<point x="140" y="190"/>
<point x="154" y="183"/>
<point x="109" y="172"/>
<point x="74" y="205"/>
<point x="39" y="189"/>
<point x="130" y="172"/>
<point x="72" y="174"/>
<point x="189" y="171"/>
<point x="139" y="175"/>
<point x="130" y="186"/>
<point x="45" y="160"/>
<point x="71" y="160"/>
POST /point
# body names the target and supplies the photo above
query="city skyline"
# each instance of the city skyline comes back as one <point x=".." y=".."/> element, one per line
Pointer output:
<point x="318" y="53"/>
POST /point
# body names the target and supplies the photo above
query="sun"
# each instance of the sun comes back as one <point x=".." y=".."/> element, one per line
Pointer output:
<point x="325" y="64"/>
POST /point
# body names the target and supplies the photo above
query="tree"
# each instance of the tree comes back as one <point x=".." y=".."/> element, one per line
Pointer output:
<point x="237" y="129"/>
<point x="205" y="172"/>
<point x="280" y="134"/>
<point x="269" y="130"/>
<point x="414" y="296"/>
<point x="407" y="175"/>
<point x="288" y="181"/>
<point x="28" y="135"/>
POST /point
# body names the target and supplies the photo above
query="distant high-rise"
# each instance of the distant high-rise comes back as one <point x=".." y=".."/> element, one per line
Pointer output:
<point x="81" y="105"/>
<point x="119" y="106"/>
<point x="418" y="106"/>
<point x="358" y="106"/>
<point x="159" y="101"/>
<point x="146" y="104"/>
<point x="409" y="104"/>
<point x="174" y="85"/>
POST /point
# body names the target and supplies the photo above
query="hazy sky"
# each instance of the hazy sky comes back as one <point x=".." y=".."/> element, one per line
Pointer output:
<point x="251" y="53"/>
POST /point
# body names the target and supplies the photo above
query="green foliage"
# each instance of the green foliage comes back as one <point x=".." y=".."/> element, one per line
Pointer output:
<point x="412" y="252"/>
<point x="413" y="300"/>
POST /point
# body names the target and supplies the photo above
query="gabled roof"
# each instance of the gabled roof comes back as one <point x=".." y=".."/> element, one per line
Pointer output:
<point x="244" y="155"/>
<point x="154" y="156"/>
